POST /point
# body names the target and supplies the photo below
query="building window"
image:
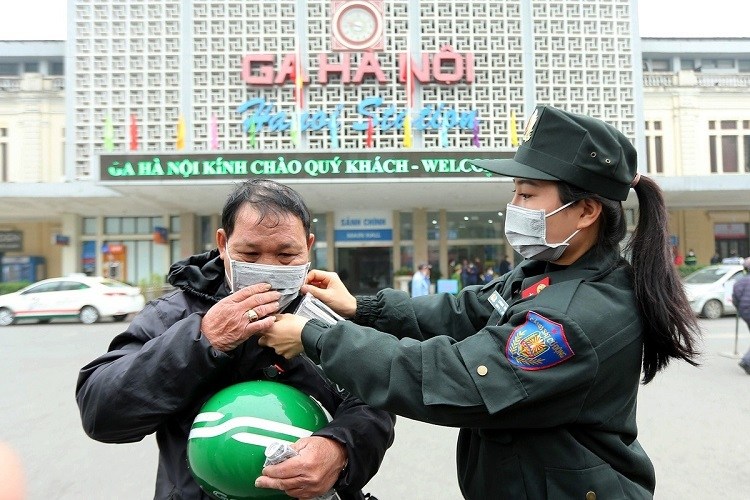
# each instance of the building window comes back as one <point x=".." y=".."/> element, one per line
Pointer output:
<point x="658" y="65"/>
<point x="654" y="147"/>
<point x="8" y="69"/>
<point x="319" y="253"/>
<point x="89" y="226"/>
<point x="56" y="69"/>
<point x="729" y="146"/>
<point x="31" y="67"/>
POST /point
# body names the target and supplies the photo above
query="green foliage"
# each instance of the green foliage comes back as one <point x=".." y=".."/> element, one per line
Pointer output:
<point x="404" y="271"/>
<point x="684" y="269"/>
<point x="12" y="286"/>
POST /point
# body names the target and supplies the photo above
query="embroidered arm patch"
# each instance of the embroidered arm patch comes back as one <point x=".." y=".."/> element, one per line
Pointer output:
<point x="537" y="344"/>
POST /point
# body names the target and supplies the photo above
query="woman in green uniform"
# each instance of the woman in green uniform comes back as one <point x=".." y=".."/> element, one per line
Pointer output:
<point x="540" y="368"/>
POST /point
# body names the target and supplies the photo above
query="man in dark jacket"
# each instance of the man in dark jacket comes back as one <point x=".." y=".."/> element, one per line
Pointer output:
<point x="191" y="343"/>
<point x="741" y="300"/>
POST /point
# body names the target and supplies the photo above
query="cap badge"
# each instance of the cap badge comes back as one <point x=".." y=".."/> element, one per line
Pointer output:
<point x="530" y="126"/>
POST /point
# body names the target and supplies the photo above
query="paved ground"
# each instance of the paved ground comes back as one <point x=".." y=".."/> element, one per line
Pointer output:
<point x="693" y="423"/>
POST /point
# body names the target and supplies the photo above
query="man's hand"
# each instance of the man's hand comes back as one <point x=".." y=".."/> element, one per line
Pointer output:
<point x="328" y="288"/>
<point x="311" y="473"/>
<point x="230" y="321"/>
<point x="285" y="335"/>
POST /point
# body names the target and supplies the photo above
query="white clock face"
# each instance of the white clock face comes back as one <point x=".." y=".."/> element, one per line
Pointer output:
<point x="357" y="25"/>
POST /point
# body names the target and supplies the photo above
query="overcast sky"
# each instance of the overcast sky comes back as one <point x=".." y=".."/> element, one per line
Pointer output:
<point x="45" y="19"/>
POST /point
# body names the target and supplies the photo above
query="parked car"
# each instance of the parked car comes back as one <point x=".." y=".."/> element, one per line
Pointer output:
<point x="709" y="289"/>
<point x="88" y="298"/>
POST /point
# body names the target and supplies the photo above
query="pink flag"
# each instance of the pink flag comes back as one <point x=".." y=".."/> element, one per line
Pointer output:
<point x="214" y="132"/>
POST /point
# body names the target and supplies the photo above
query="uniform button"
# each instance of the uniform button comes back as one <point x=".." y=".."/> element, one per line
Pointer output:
<point x="482" y="370"/>
<point x="590" y="495"/>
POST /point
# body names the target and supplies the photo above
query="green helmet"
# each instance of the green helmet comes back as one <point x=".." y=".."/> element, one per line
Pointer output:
<point x="229" y="436"/>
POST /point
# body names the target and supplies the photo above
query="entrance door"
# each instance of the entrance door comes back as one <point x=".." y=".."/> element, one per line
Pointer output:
<point x="364" y="270"/>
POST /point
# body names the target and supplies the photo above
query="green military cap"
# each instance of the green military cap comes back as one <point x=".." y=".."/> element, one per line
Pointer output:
<point x="577" y="149"/>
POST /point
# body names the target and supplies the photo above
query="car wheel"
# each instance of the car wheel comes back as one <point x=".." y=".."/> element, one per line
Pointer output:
<point x="119" y="317"/>
<point x="713" y="309"/>
<point x="88" y="315"/>
<point x="6" y="317"/>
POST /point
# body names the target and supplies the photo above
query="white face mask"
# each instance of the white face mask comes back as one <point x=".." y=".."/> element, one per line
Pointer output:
<point x="284" y="279"/>
<point x="526" y="231"/>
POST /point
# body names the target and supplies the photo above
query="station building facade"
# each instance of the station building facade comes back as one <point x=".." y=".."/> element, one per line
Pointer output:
<point x="371" y="109"/>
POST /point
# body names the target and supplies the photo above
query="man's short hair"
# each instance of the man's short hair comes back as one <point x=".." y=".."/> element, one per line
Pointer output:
<point x="268" y="198"/>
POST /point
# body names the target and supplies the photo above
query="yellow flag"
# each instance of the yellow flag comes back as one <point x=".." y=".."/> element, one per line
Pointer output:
<point x="513" y="130"/>
<point x="407" y="131"/>
<point x="180" y="143"/>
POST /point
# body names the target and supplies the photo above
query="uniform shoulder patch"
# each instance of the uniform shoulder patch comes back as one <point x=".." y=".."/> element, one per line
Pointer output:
<point x="537" y="344"/>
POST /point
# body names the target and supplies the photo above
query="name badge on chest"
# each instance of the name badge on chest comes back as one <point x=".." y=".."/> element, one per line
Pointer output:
<point x="498" y="302"/>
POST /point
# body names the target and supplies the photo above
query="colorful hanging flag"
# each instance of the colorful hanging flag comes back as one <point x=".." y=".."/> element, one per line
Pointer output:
<point x="180" y="141"/>
<point x="133" y="133"/>
<point x="295" y="129"/>
<point x="370" y="131"/>
<point x="333" y="126"/>
<point x="108" y="134"/>
<point x="406" y="75"/>
<point x="475" y="139"/>
<point x="251" y="134"/>
<point x="299" y="89"/>
<point x="214" y="132"/>
<point x="513" y="129"/>
<point x="443" y="132"/>
<point x="407" y="129"/>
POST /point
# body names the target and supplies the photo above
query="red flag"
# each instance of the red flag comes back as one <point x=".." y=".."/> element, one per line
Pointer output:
<point x="370" y="130"/>
<point x="133" y="133"/>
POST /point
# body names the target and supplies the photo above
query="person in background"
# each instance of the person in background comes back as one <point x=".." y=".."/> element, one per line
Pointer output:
<point x="488" y="276"/>
<point x="420" y="282"/>
<point x="716" y="258"/>
<point x="691" y="259"/>
<point x="504" y="266"/>
<point x="189" y="344"/>
<point x="741" y="300"/>
<point x="541" y="368"/>
<point x="456" y="275"/>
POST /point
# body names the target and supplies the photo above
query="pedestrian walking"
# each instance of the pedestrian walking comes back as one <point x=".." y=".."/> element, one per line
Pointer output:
<point x="741" y="300"/>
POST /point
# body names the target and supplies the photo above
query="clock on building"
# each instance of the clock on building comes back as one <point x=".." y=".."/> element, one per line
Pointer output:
<point x="357" y="25"/>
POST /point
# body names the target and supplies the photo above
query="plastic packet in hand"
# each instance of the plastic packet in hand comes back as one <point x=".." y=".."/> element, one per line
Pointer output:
<point x="312" y="308"/>
<point x="279" y="451"/>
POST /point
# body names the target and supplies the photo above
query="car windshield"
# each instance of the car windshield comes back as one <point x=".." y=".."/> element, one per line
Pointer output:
<point x="707" y="275"/>
<point x="113" y="283"/>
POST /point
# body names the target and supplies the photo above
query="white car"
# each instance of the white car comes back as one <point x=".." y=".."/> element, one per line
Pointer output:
<point x="84" y="297"/>
<point x="709" y="289"/>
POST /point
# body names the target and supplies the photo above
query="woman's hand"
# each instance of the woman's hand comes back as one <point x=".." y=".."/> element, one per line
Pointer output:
<point x="329" y="289"/>
<point x="285" y="335"/>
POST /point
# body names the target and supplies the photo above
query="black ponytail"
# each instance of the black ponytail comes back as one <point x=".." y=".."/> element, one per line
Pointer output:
<point x="670" y="328"/>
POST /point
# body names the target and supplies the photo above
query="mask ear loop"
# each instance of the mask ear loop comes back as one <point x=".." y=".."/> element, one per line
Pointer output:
<point x="229" y="258"/>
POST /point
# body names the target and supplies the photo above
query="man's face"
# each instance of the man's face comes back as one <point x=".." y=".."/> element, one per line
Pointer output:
<point x="273" y="241"/>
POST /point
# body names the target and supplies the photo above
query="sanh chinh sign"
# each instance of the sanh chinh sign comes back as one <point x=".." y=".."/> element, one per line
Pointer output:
<point x="371" y="164"/>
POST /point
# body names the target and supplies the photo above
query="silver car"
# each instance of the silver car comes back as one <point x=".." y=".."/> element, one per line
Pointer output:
<point x="709" y="289"/>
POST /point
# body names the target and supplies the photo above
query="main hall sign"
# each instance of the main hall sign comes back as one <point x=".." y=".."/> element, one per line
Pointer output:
<point x="295" y="165"/>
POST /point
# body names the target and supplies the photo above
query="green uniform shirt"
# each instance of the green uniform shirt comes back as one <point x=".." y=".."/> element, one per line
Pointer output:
<point x="544" y="391"/>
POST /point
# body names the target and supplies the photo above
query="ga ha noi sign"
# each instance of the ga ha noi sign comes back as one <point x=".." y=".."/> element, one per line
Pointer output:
<point x="294" y="165"/>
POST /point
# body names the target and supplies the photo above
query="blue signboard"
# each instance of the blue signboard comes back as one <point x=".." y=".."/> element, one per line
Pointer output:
<point x="363" y="234"/>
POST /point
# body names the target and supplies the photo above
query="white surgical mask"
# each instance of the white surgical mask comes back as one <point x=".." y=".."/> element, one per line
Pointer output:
<point x="284" y="279"/>
<point x="526" y="231"/>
